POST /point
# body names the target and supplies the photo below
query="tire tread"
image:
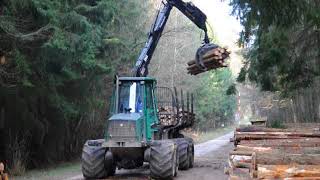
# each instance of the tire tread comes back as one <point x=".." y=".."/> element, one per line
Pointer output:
<point x="161" y="156"/>
<point x="93" y="162"/>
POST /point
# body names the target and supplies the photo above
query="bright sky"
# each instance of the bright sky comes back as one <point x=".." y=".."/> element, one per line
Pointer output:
<point x="225" y="26"/>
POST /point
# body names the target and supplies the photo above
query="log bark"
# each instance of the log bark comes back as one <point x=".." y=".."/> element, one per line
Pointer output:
<point x="263" y="129"/>
<point x="239" y="138"/>
<point x="275" y="157"/>
<point x="210" y="54"/>
<point x="240" y="153"/>
<point x="273" y="135"/>
<point x="302" y="142"/>
<point x="286" y="158"/>
<point x="303" y="178"/>
<point x="198" y="71"/>
<point x="208" y="62"/>
<point x="285" y="171"/>
<point x="297" y="134"/>
<point x="212" y="60"/>
<point x="296" y="150"/>
<point x="277" y="153"/>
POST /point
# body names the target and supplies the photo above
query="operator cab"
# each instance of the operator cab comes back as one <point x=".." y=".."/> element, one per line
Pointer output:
<point x="134" y="94"/>
<point x="133" y="112"/>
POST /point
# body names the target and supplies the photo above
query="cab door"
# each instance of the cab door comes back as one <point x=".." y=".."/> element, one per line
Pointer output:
<point x="150" y="110"/>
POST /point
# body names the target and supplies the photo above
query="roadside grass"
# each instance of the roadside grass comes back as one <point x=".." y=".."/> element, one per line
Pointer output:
<point x="61" y="171"/>
<point x="200" y="137"/>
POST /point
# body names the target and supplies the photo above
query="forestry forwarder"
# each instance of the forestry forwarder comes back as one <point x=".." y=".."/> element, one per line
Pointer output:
<point x="135" y="132"/>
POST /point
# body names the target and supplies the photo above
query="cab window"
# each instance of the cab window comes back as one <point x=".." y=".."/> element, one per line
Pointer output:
<point x="130" y="97"/>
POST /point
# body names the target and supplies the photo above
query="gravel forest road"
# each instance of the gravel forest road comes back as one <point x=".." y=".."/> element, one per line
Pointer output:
<point x="210" y="160"/>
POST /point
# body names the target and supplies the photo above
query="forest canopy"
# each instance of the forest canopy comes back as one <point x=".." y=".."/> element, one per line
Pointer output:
<point x="57" y="64"/>
<point x="282" y="39"/>
<point x="57" y="59"/>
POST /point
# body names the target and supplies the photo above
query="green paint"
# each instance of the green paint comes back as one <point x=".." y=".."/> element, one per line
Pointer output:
<point x="150" y="111"/>
<point x="139" y="129"/>
<point x="143" y="119"/>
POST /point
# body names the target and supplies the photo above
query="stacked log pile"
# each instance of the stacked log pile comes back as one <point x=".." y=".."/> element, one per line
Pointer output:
<point x="168" y="117"/>
<point x="268" y="153"/>
<point x="213" y="59"/>
<point x="187" y="118"/>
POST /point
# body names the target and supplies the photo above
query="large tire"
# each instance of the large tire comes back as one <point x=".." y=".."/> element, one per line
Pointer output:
<point x="109" y="164"/>
<point x="183" y="153"/>
<point x="93" y="160"/>
<point x="163" y="159"/>
<point x="191" y="151"/>
<point x="191" y="154"/>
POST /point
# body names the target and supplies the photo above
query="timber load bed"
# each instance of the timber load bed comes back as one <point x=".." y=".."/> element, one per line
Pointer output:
<point x="175" y="110"/>
<point x="269" y="153"/>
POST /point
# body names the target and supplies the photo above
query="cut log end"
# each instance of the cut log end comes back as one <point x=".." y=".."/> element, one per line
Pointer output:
<point x="1" y="167"/>
<point x="213" y="59"/>
<point x="270" y="153"/>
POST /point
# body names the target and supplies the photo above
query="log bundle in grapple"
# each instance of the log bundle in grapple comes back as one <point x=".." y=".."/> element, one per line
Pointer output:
<point x="166" y="116"/>
<point x="269" y="153"/>
<point x="213" y="59"/>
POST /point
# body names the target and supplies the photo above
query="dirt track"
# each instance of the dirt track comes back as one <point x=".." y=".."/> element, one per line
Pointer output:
<point x="210" y="159"/>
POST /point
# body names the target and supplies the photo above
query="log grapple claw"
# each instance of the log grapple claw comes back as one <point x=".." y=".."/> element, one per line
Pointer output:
<point x="201" y="51"/>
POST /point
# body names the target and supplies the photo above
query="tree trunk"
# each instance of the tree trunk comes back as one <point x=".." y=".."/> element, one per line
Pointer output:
<point x="303" y="142"/>
<point x="286" y="171"/>
<point x="285" y="149"/>
<point x="273" y="135"/>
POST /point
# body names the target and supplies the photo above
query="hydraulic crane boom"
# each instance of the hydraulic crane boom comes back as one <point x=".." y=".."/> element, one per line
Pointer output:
<point x="188" y="9"/>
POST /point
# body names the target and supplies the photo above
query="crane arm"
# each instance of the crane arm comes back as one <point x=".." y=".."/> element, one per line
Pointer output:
<point x="188" y="9"/>
<point x="194" y="14"/>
